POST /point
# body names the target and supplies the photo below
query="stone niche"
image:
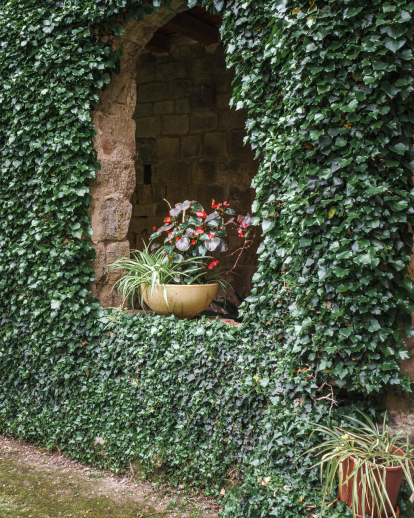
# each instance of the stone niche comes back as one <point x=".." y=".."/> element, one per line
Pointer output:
<point x="165" y="131"/>
<point x="189" y="143"/>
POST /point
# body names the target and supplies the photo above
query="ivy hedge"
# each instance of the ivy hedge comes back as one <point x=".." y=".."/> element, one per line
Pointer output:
<point x="328" y="88"/>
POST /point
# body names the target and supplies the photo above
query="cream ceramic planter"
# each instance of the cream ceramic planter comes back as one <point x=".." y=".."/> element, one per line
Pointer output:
<point x="184" y="301"/>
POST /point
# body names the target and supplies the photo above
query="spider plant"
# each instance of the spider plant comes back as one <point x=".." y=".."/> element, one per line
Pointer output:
<point x="358" y="457"/>
<point x="150" y="268"/>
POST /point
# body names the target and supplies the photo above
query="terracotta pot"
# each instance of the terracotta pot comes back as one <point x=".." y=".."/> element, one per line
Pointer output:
<point x="392" y="484"/>
<point x="184" y="301"/>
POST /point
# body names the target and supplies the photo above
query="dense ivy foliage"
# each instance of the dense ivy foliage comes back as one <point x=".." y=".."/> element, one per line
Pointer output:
<point x="328" y="88"/>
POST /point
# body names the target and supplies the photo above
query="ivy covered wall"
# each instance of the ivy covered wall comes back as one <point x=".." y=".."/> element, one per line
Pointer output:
<point x="327" y="86"/>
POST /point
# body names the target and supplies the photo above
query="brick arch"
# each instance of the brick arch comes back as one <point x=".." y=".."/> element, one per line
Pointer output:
<point x="113" y="186"/>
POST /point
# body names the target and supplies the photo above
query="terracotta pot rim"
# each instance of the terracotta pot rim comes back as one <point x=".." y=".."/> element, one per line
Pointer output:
<point x="387" y="468"/>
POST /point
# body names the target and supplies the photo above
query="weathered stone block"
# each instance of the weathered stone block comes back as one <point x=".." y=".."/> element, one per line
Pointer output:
<point x="117" y="130"/>
<point x="205" y="193"/>
<point x="182" y="106"/>
<point x="113" y="178"/>
<point x="201" y="98"/>
<point x="146" y="153"/>
<point x="177" y="193"/>
<point x="167" y="148"/>
<point x="241" y="199"/>
<point x="109" y="298"/>
<point x="145" y="75"/>
<point x="110" y="219"/>
<point x="151" y="193"/>
<point x="215" y="143"/>
<point x="202" y="66"/>
<point x="204" y="171"/>
<point x="164" y="107"/>
<point x="236" y="143"/>
<point x="143" y="110"/>
<point x="223" y="81"/>
<point x="151" y="92"/>
<point x="178" y="88"/>
<point x="223" y="101"/>
<point x="188" y="51"/>
<point x="169" y="71"/>
<point x="124" y="111"/>
<point x="175" y="124"/>
<point x="148" y="126"/>
<point x="117" y="250"/>
<point x="203" y="121"/>
<point x="99" y="263"/>
<point x="150" y="209"/>
<point x="175" y="172"/>
<point x="233" y="119"/>
<point x="121" y="89"/>
<point x="191" y="146"/>
<point x="139" y="226"/>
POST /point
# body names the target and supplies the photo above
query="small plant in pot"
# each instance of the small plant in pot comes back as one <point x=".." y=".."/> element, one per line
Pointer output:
<point x="178" y="272"/>
<point x="369" y="463"/>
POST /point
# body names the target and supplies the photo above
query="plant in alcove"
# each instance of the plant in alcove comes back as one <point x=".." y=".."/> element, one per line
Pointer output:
<point x="179" y="274"/>
<point x="152" y="269"/>
<point x="189" y="232"/>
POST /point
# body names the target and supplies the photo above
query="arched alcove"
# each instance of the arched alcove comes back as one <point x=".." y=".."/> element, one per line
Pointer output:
<point x="165" y="130"/>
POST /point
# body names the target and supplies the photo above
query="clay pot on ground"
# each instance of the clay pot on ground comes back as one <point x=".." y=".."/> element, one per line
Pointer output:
<point x="393" y="483"/>
<point x="183" y="301"/>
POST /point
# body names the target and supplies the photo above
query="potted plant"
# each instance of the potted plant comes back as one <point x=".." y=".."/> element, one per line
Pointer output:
<point x="370" y="464"/>
<point x="177" y="273"/>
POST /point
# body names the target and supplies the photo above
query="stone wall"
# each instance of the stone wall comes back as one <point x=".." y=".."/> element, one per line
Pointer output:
<point x="111" y="190"/>
<point x="189" y="143"/>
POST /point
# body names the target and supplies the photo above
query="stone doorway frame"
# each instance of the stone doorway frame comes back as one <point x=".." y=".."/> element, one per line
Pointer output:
<point x="111" y="190"/>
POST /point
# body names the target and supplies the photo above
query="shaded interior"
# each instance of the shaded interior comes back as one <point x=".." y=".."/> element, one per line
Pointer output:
<point x="189" y="142"/>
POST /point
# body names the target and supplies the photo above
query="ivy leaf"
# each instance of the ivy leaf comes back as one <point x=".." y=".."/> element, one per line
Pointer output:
<point x="399" y="148"/>
<point x="340" y="272"/>
<point x="267" y="224"/>
<point x="396" y="31"/>
<point x="393" y="45"/>
<point x="351" y="107"/>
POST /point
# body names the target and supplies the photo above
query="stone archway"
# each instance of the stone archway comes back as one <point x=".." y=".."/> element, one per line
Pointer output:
<point x="165" y="129"/>
<point x="114" y="184"/>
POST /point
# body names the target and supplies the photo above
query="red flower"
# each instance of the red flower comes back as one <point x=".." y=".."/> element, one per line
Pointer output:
<point x="177" y="238"/>
<point x="200" y="230"/>
<point x="154" y="228"/>
<point x="226" y="204"/>
<point x="167" y="219"/>
<point x="169" y="232"/>
<point x="192" y="233"/>
<point x="245" y="224"/>
<point x="240" y="231"/>
<point x="213" y="203"/>
<point x="212" y="265"/>
<point x="170" y="241"/>
<point x="201" y="214"/>
<point x="193" y="241"/>
<point x="211" y="236"/>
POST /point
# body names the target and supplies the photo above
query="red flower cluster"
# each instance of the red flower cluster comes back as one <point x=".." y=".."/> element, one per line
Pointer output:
<point x="200" y="230"/>
<point x="217" y="206"/>
<point x="212" y="264"/>
<point x="201" y="214"/>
